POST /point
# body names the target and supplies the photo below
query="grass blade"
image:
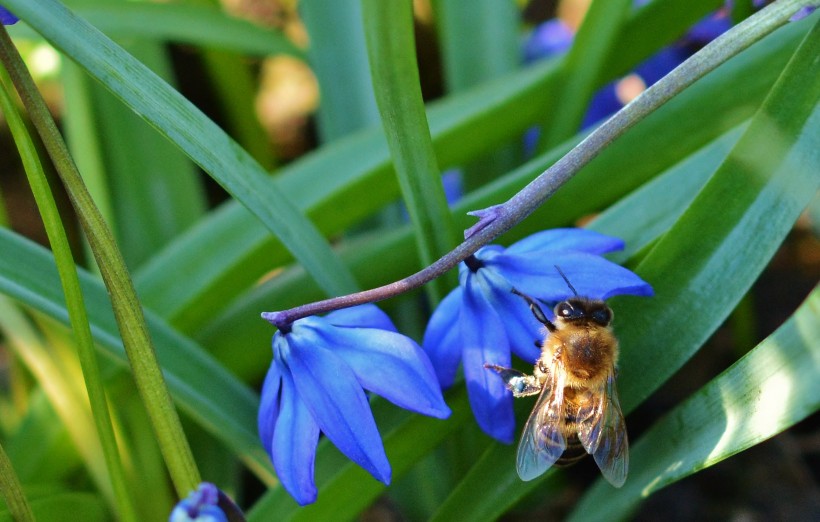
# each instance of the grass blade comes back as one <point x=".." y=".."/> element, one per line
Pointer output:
<point x="767" y="391"/>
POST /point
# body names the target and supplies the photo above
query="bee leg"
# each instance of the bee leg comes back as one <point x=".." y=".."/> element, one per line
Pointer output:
<point x="519" y="383"/>
<point x="536" y="310"/>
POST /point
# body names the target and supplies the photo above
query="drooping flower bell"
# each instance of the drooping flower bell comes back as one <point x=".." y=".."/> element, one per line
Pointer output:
<point x="6" y="18"/>
<point x="483" y="322"/>
<point x="205" y="504"/>
<point x="317" y="381"/>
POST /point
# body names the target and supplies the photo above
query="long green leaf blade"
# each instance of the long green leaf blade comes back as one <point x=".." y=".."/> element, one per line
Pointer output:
<point x="767" y="391"/>
<point x="176" y="118"/>
<point x="700" y="254"/>
<point x="390" y="46"/>
<point x="204" y="389"/>
<point x="186" y="23"/>
<point x="462" y="126"/>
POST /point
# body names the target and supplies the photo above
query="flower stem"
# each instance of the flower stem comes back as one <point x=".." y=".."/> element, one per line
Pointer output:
<point x="74" y="299"/>
<point x="12" y="491"/>
<point x="124" y="300"/>
<point x="500" y="218"/>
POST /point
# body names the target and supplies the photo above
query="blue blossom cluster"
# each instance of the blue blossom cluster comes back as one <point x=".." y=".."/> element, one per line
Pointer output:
<point x="323" y="366"/>
<point x="317" y="381"/>
<point x="484" y="322"/>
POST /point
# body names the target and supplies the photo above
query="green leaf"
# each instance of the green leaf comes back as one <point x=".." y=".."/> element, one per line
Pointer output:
<point x="648" y="212"/>
<point x="204" y="389"/>
<point x="479" y="41"/>
<point x="758" y="193"/>
<point x="684" y="125"/>
<point x="12" y="491"/>
<point x="187" y="289"/>
<point x="758" y="202"/>
<point x="63" y="389"/>
<point x="391" y="49"/>
<point x="186" y="126"/>
<point x="769" y="390"/>
<point x="338" y="57"/>
<point x="155" y="188"/>
<point x="62" y="506"/>
<point x="581" y="67"/>
<point x="185" y="23"/>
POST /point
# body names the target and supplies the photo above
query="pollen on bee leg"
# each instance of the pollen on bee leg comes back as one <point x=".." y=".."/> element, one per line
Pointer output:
<point x="519" y="383"/>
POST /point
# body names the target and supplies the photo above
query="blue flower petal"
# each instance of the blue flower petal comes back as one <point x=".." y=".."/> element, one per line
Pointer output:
<point x="591" y="275"/>
<point x="442" y="341"/>
<point x="362" y="316"/>
<point x="269" y="405"/>
<point x="548" y="39"/>
<point x="294" y="444"/>
<point x="485" y="342"/>
<point x="521" y="326"/>
<point x="391" y="365"/>
<point x="6" y="18"/>
<point x="332" y="393"/>
<point x="199" y="506"/>
<point x="563" y="239"/>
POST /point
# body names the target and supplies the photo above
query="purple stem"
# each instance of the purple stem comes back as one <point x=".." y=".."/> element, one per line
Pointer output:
<point x="496" y="220"/>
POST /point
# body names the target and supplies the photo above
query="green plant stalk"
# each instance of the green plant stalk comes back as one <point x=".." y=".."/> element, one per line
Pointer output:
<point x="580" y="69"/>
<point x="126" y="305"/>
<point x="498" y="219"/>
<point x="388" y="29"/>
<point x="13" y="491"/>
<point x="74" y="299"/>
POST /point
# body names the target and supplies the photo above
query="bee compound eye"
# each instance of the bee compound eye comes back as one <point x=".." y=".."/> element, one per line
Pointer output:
<point x="565" y="310"/>
<point x="602" y="316"/>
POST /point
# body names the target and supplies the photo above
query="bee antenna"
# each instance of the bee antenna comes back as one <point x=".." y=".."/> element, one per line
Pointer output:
<point x="574" y="291"/>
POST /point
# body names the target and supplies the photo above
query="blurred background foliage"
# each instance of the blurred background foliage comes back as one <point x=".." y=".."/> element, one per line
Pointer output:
<point x="714" y="194"/>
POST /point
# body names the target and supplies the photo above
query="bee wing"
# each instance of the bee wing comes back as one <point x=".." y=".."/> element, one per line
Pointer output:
<point x="542" y="441"/>
<point x="603" y="434"/>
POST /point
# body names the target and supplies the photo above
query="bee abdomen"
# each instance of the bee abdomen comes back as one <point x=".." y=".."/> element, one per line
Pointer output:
<point x="573" y="453"/>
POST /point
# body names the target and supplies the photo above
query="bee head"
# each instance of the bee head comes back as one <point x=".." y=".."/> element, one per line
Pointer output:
<point x="579" y="310"/>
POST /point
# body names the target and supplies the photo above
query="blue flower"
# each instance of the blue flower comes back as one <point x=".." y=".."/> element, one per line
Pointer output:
<point x="483" y="322"/>
<point x="548" y="39"/>
<point x="200" y="506"/>
<point x="321" y="367"/>
<point x="6" y="18"/>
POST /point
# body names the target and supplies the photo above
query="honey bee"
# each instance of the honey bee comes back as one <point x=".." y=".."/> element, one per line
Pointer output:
<point x="577" y="411"/>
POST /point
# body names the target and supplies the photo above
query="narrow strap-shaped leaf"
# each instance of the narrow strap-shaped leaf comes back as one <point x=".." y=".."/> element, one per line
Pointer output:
<point x="702" y="267"/>
<point x="12" y="491"/>
<point x="462" y="126"/>
<point x="182" y="22"/>
<point x="205" y="390"/>
<point x="186" y="126"/>
<point x="706" y="262"/>
<point x="140" y="165"/>
<point x="480" y="41"/>
<point x="73" y="296"/>
<point x="124" y="300"/>
<point x="62" y="389"/>
<point x="770" y="389"/>
<point x="692" y="120"/>
<point x="338" y="56"/>
<point x="580" y="69"/>
<point x="391" y="48"/>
